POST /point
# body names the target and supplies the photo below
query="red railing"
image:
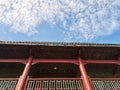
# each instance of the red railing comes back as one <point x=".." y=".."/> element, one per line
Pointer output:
<point x="61" y="83"/>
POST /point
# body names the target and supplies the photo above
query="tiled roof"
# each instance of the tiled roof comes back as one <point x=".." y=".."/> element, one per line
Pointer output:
<point x="60" y="50"/>
<point x="59" y="44"/>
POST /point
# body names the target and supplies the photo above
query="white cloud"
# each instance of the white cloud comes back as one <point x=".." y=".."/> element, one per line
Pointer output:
<point x="81" y="19"/>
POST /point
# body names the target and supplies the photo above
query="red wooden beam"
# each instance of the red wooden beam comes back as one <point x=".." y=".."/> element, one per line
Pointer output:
<point x="64" y="78"/>
<point x="54" y="79"/>
<point x="74" y="61"/>
<point x="35" y="61"/>
<point x="117" y="62"/>
<point x="24" y="61"/>
<point x="23" y="78"/>
<point x="85" y="78"/>
<point x="61" y="78"/>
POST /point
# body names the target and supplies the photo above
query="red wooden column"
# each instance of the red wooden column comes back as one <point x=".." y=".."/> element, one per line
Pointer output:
<point x="23" y="78"/>
<point x="85" y="78"/>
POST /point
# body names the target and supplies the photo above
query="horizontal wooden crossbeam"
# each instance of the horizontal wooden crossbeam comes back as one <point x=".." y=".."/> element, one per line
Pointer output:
<point x="72" y="61"/>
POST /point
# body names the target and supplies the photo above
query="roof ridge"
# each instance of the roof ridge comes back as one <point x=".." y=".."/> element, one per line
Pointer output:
<point x="58" y="43"/>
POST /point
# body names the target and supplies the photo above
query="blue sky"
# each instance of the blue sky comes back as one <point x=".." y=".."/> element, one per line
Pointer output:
<point x="96" y="21"/>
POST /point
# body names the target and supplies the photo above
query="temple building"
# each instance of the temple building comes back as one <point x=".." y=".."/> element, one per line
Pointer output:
<point x="59" y="66"/>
